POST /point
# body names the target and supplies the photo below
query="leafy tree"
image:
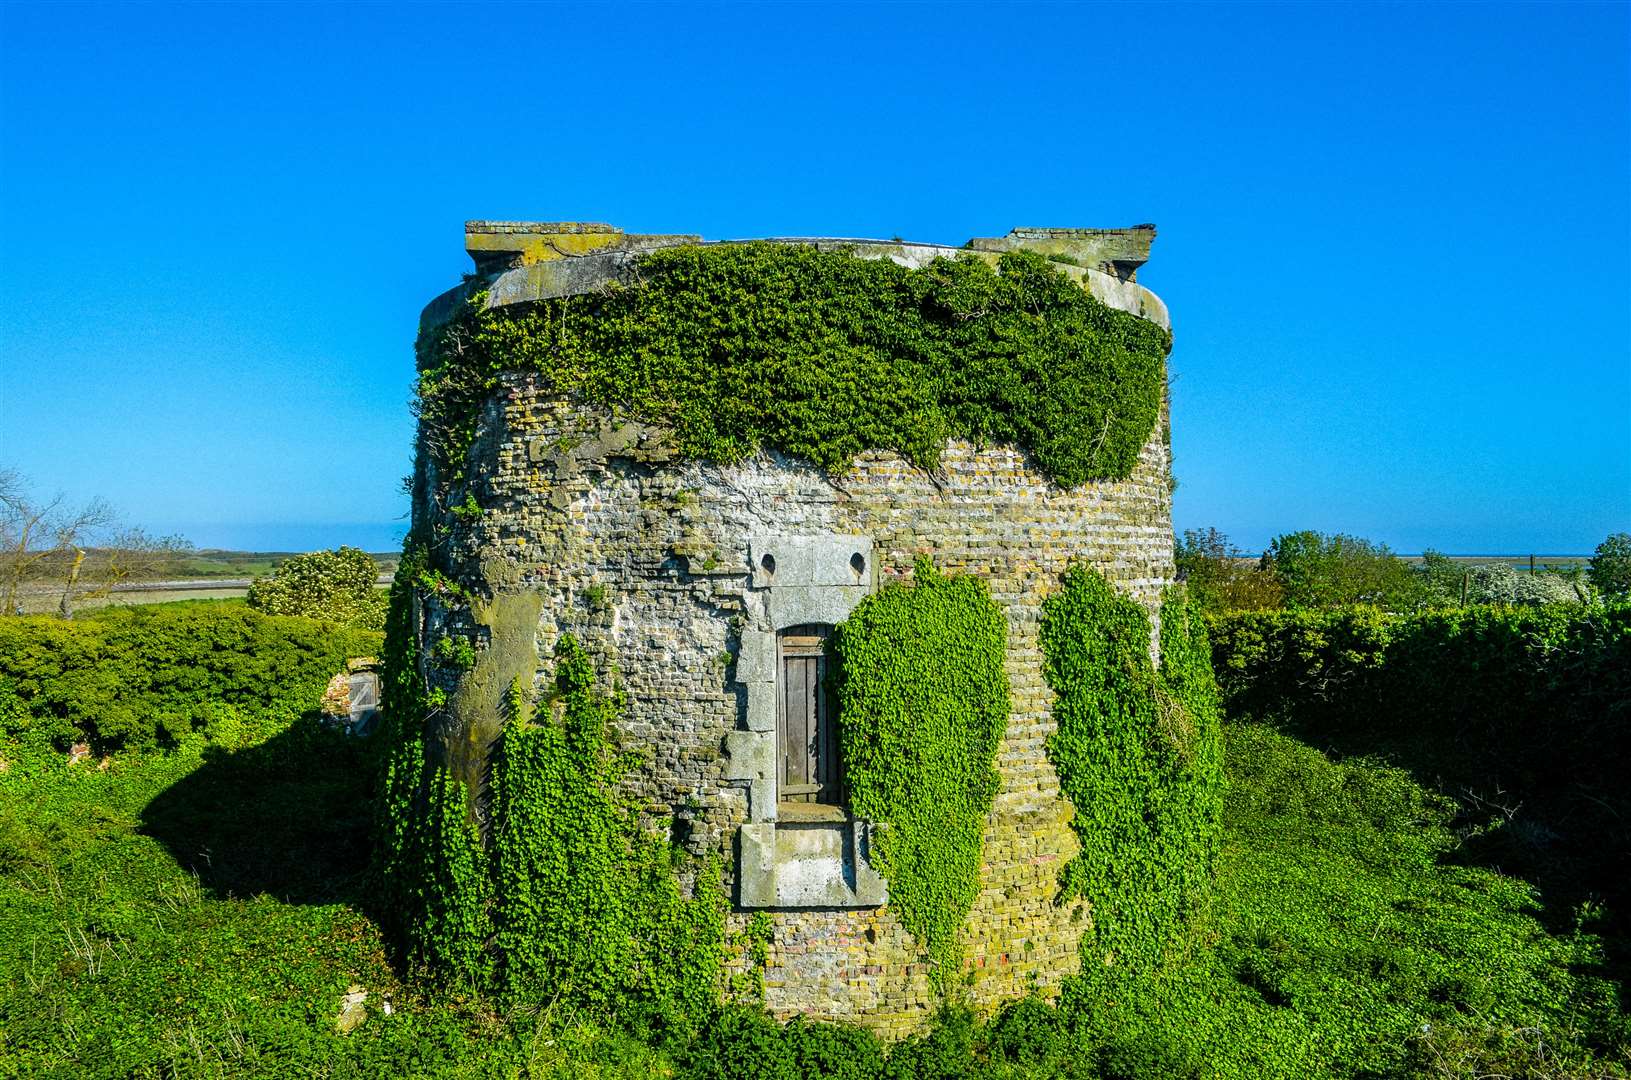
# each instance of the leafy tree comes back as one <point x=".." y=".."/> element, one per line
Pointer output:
<point x="1610" y="568"/>
<point x="1220" y="575"/>
<point x="339" y="586"/>
<point x="1320" y="570"/>
<point x="1442" y="578"/>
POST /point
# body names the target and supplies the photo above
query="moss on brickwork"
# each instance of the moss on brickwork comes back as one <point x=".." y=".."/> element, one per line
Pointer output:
<point x="1137" y="750"/>
<point x="822" y="355"/>
<point x="510" y="620"/>
<point x="923" y="701"/>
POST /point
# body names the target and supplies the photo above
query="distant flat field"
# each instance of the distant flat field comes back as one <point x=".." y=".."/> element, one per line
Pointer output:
<point x="1516" y="560"/>
<point x="214" y="563"/>
<point x="41" y="601"/>
<point x="197" y="575"/>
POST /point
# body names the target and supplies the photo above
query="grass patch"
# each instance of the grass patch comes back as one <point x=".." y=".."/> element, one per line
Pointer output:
<point x="201" y="911"/>
<point x="1344" y="942"/>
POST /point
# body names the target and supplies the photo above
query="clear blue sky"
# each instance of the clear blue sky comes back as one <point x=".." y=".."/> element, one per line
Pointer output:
<point x="1395" y="239"/>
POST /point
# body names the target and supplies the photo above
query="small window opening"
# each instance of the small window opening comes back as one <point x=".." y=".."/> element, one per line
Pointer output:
<point x="857" y="562"/>
<point x="769" y="563"/>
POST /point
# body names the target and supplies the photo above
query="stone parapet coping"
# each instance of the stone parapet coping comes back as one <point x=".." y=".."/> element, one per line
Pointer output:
<point x="522" y="262"/>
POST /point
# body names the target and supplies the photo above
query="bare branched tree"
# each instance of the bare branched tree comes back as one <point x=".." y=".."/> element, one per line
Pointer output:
<point x="82" y="548"/>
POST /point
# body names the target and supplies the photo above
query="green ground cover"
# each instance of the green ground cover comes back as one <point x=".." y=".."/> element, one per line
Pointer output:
<point x="200" y="911"/>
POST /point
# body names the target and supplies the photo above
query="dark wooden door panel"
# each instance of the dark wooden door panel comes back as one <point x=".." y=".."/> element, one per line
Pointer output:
<point x="805" y="727"/>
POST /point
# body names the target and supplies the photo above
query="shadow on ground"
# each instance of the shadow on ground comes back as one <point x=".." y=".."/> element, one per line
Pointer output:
<point x="1570" y="841"/>
<point x="287" y="818"/>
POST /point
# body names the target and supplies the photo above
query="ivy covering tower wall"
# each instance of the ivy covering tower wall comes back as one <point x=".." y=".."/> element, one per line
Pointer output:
<point x="923" y="702"/>
<point x="823" y="356"/>
<point x="635" y="476"/>
<point x="565" y="894"/>
<point x="1139" y="754"/>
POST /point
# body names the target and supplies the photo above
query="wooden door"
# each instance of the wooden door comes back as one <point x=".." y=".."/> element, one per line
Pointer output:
<point x="807" y="737"/>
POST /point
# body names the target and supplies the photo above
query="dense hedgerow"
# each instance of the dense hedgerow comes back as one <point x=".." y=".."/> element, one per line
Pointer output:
<point x="1137" y="752"/>
<point x="1510" y="704"/>
<point x="922" y="705"/>
<point x="823" y="355"/>
<point x="127" y="677"/>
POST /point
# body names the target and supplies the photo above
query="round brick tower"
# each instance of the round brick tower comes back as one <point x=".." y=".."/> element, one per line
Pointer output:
<point x="710" y="588"/>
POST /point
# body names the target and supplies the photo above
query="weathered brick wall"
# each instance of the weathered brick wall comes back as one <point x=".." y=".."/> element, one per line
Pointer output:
<point x="646" y="560"/>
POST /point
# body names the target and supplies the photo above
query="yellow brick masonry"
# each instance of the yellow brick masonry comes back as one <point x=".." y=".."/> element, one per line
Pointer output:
<point x="645" y="559"/>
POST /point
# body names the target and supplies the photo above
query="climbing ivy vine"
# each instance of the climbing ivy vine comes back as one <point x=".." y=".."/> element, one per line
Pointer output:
<point x="822" y="355"/>
<point x="1138" y="752"/>
<point x="589" y="901"/>
<point x="567" y="893"/>
<point x="922" y="705"/>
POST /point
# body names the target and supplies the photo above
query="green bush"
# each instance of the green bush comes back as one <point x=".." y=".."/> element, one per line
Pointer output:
<point x="822" y="355"/>
<point x="922" y="705"/>
<point x="739" y="1044"/>
<point x="1219" y="577"/>
<point x="1610" y="569"/>
<point x="1510" y="704"/>
<point x="1138" y="755"/>
<point x="129" y="677"/>
<point x="336" y="586"/>
<point x="833" y="1051"/>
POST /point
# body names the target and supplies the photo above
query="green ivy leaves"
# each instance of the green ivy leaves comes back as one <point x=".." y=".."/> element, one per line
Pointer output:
<point x="569" y="895"/>
<point x="923" y="703"/>
<point x="824" y="356"/>
<point x="1138" y="755"/>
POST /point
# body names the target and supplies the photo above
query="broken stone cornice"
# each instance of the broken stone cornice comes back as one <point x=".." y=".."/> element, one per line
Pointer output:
<point x="521" y="262"/>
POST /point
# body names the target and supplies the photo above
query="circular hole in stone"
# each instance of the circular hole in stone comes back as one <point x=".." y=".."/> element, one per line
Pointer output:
<point x="769" y="563"/>
<point x="857" y="562"/>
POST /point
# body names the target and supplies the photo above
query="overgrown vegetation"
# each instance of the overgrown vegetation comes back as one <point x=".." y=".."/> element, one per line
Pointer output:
<point x="338" y="586"/>
<point x="138" y="677"/>
<point x="1610" y="570"/>
<point x="1320" y="570"/>
<point x="822" y="355"/>
<point x="1310" y="571"/>
<point x="200" y="911"/>
<point x="1137" y="753"/>
<point x="198" y="904"/>
<point x="1221" y="577"/>
<point x="923" y="702"/>
<point x="569" y="898"/>
<point x="589" y="904"/>
<point x="1525" y="713"/>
